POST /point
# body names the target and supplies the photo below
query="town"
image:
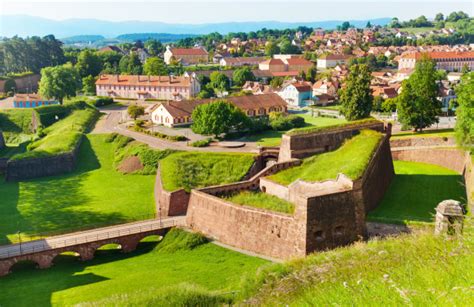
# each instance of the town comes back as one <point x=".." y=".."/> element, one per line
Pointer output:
<point x="296" y="166"/>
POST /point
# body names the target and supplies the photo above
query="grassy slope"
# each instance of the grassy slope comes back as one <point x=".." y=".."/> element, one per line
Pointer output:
<point x="413" y="270"/>
<point x="16" y="120"/>
<point x="263" y="201"/>
<point x="406" y="199"/>
<point x="116" y="279"/>
<point x="194" y="169"/>
<point x="350" y="159"/>
<point x="426" y="133"/>
<point x="273" y="138"/>
<point x="94" y="194"/>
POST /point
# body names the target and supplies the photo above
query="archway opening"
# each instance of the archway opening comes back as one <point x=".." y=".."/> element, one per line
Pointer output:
<point x="108" y="249"/>
<point x="23" y="266"/>
<point x="149" y="242"/>
<point x="66" y="257"/>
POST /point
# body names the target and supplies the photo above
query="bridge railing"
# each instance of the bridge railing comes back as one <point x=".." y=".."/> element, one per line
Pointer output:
<point x="32" y="247"/>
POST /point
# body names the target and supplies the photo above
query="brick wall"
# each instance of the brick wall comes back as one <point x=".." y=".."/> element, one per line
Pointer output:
<point x="305" y="145"/>
<point x="24" y="84"/>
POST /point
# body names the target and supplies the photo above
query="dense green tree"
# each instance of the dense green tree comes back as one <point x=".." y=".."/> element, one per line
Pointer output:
<point x="242" y="75"/>
<point x="311" y="74"/>
<point x="154" y="47"/>
<point x="271" y="48"/>
<point x="276" y="82"/>
<point x="155" y="66"/>
<point x="439" y="17"/>
<point x="88" y="63"/>
<point x="135" y="111"/>
<point x="465" y="111"/>
<point x="110" y="59"/>
<point x="368" y="25"/>
<point x="455" y="16"/>
<point x="418" y="106"/>
<point x="356" y="97"/>
<point x="88" y="85"/>
<point x="130" y="65"/>
<point x="287" y="48"/>
<point x="124" y="64"/>
<point x="218" y="82"/>
<point x="204" y="94"/>
<point x="217" y="118"/>
<point x="59" y="82"/>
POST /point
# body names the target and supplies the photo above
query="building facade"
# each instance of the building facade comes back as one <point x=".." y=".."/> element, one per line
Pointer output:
<point x="332" y="60"/>
<point x="296" y="94"/>
<point x="31" y="101"/>
<point x="449" y="60"/>
<point x="143" y="87"/>
<point x="187" y="56"/>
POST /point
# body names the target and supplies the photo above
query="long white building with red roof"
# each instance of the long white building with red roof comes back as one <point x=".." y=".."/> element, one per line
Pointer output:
<point x="143" y="87"/>
<point x="448" y="60"/>
<point x="186" y="56"/>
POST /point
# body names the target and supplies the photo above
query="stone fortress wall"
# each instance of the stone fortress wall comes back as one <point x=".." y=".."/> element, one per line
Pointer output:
<point x="327" y="214"/>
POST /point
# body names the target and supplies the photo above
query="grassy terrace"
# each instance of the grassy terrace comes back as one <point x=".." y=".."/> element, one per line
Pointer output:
<point x="94" y="194"/>
<point x="415" y="192"/>
<point x="262" y="201"/>
<point x="195" y="169"/>
<point x="350" y="159"/>
<point x="181" y="270"/>
<point x="425" y="134"/>
<point x="341" y="124"/>
<point x="62" y="136"/>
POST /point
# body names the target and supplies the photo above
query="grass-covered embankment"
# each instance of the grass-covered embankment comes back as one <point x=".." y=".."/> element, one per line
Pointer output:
<point x="62" y="136"/>
<point x="351" y="159"/>
<point x="94" y="194"/>
<point x="190" y="170"/>
<point x="415" y="270"/>
<point x="445" y="133"/>
<point x="181" y="270"/>
<point x="415" y="191"/>
<point x="262" y="201"/>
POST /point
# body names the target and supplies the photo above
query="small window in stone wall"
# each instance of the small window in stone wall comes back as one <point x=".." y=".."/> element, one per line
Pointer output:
<point x="339" y="231"/>
<point x="264" y="189"/>
<point x="319" y="235"/>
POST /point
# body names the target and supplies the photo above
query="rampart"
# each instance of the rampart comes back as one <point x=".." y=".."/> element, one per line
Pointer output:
<point x="169" y="203"/>
<point x="28" y="168"/>
<point x="27" y="83"/>
<point x="306" y="144"/>
<point x="451" y="158"/>
<point x="422" y="141"/>
<point x="327" y="216"/>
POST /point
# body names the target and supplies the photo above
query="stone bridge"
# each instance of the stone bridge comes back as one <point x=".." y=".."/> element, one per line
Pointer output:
<point x="85" y="243"/>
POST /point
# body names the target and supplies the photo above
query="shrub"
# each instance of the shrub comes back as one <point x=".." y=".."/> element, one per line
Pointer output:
<point x="139" y="123"/>
<point x="202" y="143"/>
<point x="281" y="122"/>
<point x="103" y="101"/>
<point x="173" y="138"/>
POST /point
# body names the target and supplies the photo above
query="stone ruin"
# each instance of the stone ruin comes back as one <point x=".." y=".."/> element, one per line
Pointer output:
<point x="449" y="218"/>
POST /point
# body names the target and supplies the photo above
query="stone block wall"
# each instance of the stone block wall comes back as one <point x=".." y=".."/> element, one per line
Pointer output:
<point x="269" y="233"/>
<point x="23" y="169"/>
<point x="304" y="145"/>
<point x="451" y="158"/>
<point x="423" y="141"/>
<point x="24" y="84"/>
<point x="169" y="203"/>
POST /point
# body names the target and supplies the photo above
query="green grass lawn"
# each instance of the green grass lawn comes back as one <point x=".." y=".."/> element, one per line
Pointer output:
<point x="199" y="169"/>
<point x="273" y="138"/>
<point x="426" y="133"/>
<point x="409" y="270"/>
<point x="350" y="159"/>
<point x="94" y="194"/>
<point x="262" y="201"/>
<point x="416" y="190"/>
<point x="156" y="274"/>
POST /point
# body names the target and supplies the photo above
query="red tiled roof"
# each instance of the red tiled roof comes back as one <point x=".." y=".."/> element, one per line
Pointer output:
<point x="250" y="102"/>
<point x="302" y="86"/>
<point x="298" y="61"/>
<point x="336" y="57"/>
<point x="274" y="62"/>
<point x="188" y="51"/>
<point x="292" y="73"/>
<point x="139" y="80"/>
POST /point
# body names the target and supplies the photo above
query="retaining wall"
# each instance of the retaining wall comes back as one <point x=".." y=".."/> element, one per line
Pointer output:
<point x="17" y="170"/>
<point x="422" y="141"/>
<point x="169" y="203"/>
<point x="304" y="145"/>
<point x="451" y="158"/>
<point x="24" y="84"/>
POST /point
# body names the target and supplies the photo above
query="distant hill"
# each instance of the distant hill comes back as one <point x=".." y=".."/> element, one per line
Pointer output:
<point x="163" y="37"/>
<point x="24" y="25"/>
<point x="82" y="39"/>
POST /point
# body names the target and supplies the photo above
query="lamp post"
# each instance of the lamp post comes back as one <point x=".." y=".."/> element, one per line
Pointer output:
<point x="159" y="213"/>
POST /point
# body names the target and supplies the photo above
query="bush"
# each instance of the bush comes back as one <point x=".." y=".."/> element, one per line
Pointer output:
<point x="10" y="86"/>
<point x="173" y="138"/>
<point x="202" y="143"/>
<point x="282" y="122"/>
<point x="139" y="123"/>
<point x="103" y="101"/>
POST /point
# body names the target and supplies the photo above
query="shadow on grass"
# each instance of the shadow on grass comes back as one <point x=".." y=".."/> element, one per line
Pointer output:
<point x="67" y="272"/>
<point x="50" y="204"/>
<point x="412" y="198"/>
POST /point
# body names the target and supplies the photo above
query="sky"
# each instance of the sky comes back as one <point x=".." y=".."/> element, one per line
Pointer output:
<point x="198" y="11"/>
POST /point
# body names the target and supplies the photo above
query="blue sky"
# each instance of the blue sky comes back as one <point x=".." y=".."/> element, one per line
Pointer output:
<point x="196" y="11"/>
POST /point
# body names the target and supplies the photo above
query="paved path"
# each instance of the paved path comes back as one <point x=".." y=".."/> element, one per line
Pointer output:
<point x="88" y="236"/>
<point x="111" y="123"/>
